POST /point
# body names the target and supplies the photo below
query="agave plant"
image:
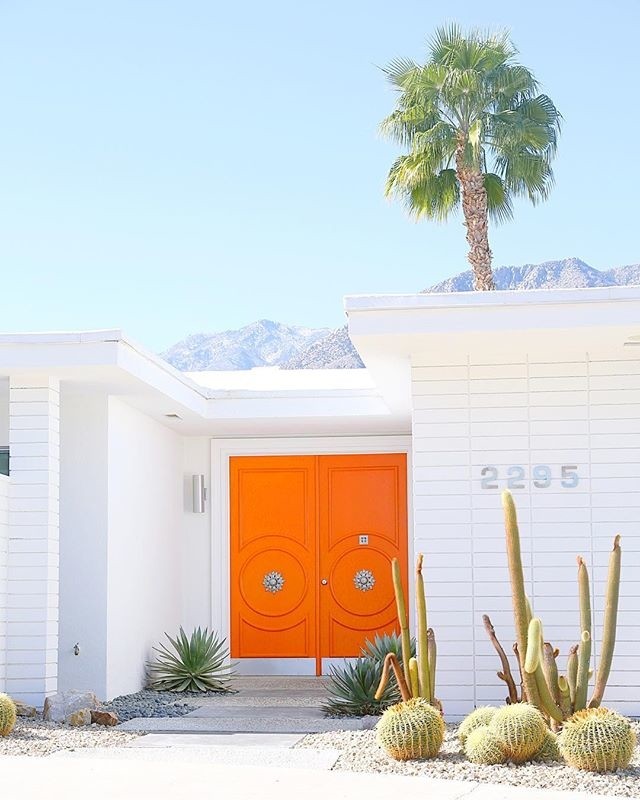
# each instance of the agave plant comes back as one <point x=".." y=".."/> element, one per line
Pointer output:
<point x="199" y="663"/>
<point x="383" y="644"/>
<point x="352" y="687"/>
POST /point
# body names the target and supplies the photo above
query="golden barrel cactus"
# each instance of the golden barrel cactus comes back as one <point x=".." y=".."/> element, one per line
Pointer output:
<point x="476" y="719"/>
<point x="597" y="740"/>
<point x="521" y="729"/>
<point x="549" y="750"/>
<point x="7" y="714"/>
<point x="411" y="729"/>
<point x="482" y="746"/>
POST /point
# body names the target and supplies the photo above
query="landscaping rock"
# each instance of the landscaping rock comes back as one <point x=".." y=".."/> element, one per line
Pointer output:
<point x="57" y="707"/>
<point x="23" y="710"/>
<point x="77" y="719"/>
<point x="106" y="718"/>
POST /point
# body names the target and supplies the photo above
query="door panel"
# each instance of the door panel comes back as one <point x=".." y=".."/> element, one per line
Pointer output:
<point x="273" y="556"/>
<point x="359" y="495"/>
<point x="296" y="520"/>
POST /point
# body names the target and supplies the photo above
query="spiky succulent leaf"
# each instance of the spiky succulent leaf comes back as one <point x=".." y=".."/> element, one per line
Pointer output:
<point x="196" y="663"/>
<point x="383" y="644"/>
<point x="352" y="690"/>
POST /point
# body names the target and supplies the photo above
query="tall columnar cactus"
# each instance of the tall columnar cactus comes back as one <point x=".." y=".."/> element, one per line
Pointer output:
<point x="7" y="714"/>
<point x="417" y="678"/>
<point x="424" y="674"/>
<point x="403" y="622"/>
<point x="559" y="696"/>
<point x="584" y="648"/>
<point x="610" y="620"/>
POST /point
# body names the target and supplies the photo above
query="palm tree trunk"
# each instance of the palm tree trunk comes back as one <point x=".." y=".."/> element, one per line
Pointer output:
<point x="476" y="220"/>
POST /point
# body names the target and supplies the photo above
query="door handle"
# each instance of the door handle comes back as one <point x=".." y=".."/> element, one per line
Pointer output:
<point x="324" y="581"/>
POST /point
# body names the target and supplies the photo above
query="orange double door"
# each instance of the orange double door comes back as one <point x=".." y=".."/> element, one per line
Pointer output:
<point x="312" y="538"/>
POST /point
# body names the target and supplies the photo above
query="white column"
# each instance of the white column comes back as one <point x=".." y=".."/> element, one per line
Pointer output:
<point x="32" y="614"/>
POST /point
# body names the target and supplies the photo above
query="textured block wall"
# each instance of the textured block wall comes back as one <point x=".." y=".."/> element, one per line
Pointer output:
<point x="32" y="613"/>
<point x="567" y="436"/>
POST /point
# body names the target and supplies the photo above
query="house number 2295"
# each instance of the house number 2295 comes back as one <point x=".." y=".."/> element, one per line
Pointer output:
<point x="541" y="476"/>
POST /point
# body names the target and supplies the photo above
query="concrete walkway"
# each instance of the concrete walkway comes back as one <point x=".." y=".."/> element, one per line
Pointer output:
<point x="119" y="778"/>
<point x="261" y="705"/>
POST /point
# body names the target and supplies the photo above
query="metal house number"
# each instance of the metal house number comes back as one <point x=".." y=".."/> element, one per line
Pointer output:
<point x="541" y="477"/>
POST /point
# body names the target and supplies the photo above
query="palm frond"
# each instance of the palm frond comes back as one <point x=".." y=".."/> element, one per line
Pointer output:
<point x="498" y="198"/>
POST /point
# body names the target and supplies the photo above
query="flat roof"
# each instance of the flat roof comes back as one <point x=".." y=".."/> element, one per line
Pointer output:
<point x="500" y="297"/>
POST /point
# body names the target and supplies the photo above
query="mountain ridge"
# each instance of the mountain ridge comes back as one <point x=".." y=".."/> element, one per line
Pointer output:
<point x="268" y="343"/>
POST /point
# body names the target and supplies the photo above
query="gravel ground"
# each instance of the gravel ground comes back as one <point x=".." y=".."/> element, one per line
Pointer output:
<point x="33" y="737"/>
<point x="361" y="753"/>
<point x="148" y="703"/>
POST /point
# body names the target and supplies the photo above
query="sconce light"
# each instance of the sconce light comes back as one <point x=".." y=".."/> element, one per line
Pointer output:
<point x="199" y="494"/>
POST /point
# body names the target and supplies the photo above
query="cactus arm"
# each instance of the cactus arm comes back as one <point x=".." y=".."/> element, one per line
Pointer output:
<point x="518" y="592"/>
<point x="523" y="691"/>
<point x="565" y="697"/>
<point x="391" y="663"/>
<point x="547" y="703"/>
<point x="582" y="675"/>
<point x="610" y="623"/>
<point x="413" y="677"/>
<point x="402" y="616"/>
<point x="534" y="646"/>
<point x="584" y="650"/>
<point x="533" y="668"/>
<point x="550" y="669"/>
<point x="432" y="650"/>
<point x="423" y="641"/>
<point x="572" y="674"/>
<point x="505" y="675"/>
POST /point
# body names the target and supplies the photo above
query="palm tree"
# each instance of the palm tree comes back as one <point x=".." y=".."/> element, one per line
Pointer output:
<point x="476" y="132"/>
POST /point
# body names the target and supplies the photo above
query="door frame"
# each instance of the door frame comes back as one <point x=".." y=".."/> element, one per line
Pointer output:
<point x="223" y="449"/>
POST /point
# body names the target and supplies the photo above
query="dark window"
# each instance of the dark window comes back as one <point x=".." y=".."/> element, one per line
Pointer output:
<point x="4" y="460"/>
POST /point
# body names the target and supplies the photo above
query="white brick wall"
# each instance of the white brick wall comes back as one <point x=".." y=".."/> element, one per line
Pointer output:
<point x="4" y="552"/>
<point x="32" y="613"/>
<point x="583" y="413"/>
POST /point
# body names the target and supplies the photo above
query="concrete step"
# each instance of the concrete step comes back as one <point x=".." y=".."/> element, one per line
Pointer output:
<point x="244" y="724"/>
<point x="257" y="712"/>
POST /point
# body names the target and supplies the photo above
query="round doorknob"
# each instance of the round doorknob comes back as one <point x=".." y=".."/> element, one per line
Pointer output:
<point x="324" y="581"/>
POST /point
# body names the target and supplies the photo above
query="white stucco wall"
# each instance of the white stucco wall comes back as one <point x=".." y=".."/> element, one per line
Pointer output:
<point x="196" y="533"/>
<point x="83" y="541"/>
<point x="582" y="412"/>
<point x="4" y="547"/>
<point x="145" y="542"/>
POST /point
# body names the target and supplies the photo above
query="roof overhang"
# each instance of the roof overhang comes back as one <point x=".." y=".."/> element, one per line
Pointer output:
<point x="303" y="402"/>
<point x="392" y="331"/>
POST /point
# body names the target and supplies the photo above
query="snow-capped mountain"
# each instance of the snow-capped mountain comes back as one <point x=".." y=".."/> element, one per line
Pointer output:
<point x="334" y="351"/>
<point x="261" y="344"/>
<point x="266" y="343"/>
<point x="569" y="273"/>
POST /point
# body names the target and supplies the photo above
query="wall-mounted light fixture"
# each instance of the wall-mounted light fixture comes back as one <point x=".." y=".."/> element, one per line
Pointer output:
<point x="199" y="494"/>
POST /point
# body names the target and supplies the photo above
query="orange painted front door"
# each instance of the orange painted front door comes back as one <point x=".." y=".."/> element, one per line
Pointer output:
<point x="273" y="557"/>
<point x="363" y="525"/>
<point x="312" y="538"/>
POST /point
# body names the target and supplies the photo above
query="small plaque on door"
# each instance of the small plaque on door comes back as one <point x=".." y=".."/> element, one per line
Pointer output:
<point x="363" y="538"/>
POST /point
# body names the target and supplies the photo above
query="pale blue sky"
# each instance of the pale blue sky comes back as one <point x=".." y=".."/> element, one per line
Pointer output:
<point x="173" y="166"/>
